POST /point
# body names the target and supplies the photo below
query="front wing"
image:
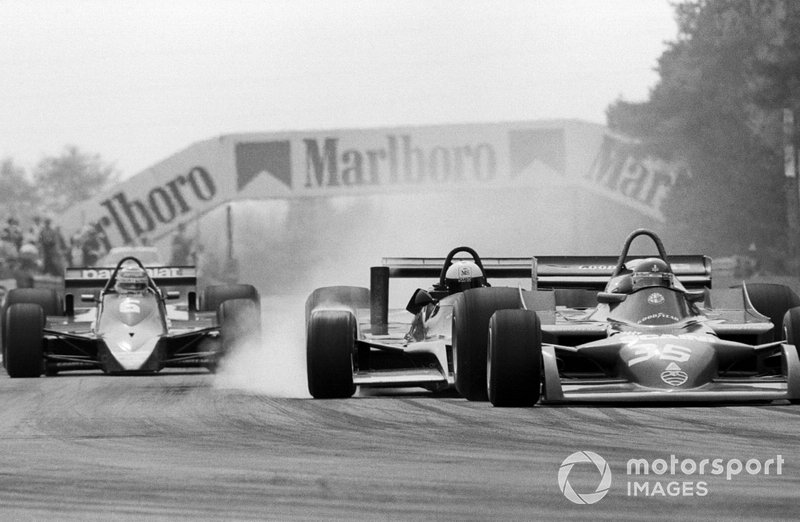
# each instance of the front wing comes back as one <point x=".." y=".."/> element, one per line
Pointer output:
<point x="556" y="389"/>
<point x="389" y="361"/>
<point x="67" y="348"/>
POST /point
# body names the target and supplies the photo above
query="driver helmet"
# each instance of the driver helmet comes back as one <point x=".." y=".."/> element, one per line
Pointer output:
<point x="463" y="275"/>
<point x="644" y="273"/>
<point x="652" y="271"/>
<point x="131" y="280"/>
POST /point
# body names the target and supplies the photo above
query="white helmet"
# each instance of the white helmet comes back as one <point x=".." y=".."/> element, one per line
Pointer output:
<point x="131" y="280"/>
<point x="462" y="275"/>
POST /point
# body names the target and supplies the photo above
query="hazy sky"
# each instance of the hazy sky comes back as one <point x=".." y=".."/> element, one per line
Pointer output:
<point x="136" y="81"/>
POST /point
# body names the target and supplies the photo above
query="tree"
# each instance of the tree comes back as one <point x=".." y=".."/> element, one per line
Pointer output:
<point x="710" y="109"/>
<point x="17" y="194"/>
<point x="71" y="177"/>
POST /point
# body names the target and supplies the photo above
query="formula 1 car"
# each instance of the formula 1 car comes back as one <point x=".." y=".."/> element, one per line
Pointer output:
<point x="654" y="332"/>
<point x="353" y="339"/>
<point x="125" y="319"/>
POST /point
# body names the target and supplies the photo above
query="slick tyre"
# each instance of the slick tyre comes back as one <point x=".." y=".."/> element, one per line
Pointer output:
<point x="774" y="301"/>
<point x="330" y="341"/>
<point x="351" y="297"/>
<point x="514" y="360"/>
<point x="213" y="296"/>
<point x="46" y="298"/>
<point x="24" y="333"/>
<point x="791" y="326"/>
<point x="471" y="312"/>
<point x="240" y="322"/>
<point x="791" y="332"/>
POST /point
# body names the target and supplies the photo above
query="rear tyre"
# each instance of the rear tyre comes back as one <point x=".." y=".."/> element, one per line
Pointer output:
<point x="791" y="333"/>
<point x="514" y="361"/>
<point x="352" y="297"/>
<point x="791" y="326"/>
<point x="774" y="301"/>
<point x="47" y="298"/>
<point x="330" y="342"/>
<point x="213" y="296"/>
<point x="24" y="333"/>
<point x="240" y="321"/>
<point x="471" y="312"/>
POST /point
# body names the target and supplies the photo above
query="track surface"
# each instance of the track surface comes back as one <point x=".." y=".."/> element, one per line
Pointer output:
<point x="174" y="445"/>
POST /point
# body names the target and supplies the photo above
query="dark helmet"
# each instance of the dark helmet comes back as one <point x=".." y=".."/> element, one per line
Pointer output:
<point x="462" y="275"/>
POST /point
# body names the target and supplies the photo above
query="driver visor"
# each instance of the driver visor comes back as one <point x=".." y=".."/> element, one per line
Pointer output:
<point x="648" y="279"/>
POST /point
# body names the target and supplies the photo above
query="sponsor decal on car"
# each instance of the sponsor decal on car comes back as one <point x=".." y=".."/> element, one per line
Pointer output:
<point x="670" y="352"/>
<point x="674" y="376"/>
<point x="130" y="306"/>
<point x="659" y="315"/>
<point x="105" y="273"/>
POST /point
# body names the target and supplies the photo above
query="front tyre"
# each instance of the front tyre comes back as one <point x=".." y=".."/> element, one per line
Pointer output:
<point x="330" y="343"/>
<point x="514" y="359"/>
<point x="25" y="340"/>
<point x="471" y="312"/>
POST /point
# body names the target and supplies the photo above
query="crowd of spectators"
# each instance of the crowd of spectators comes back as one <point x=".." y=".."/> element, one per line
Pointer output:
<point x="39" y="247"/>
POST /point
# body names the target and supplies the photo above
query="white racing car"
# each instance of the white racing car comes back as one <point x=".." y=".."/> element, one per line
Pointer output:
<point x="125" y="319"/>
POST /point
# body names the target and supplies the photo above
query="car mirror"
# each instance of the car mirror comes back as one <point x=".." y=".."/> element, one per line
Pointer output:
<point x="173" y="294"/>
<point x="88" y="298"/>
<point x="419" y="300"/>
<point x="695" y="297"/>
<point x="610" y="297"/>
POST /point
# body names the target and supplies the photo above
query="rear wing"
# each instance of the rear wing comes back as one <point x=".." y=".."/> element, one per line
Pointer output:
<point x="79" y="280"/>
<point x="587" y="272"/>
<point x="593" y="272"/>
<point x="545" y="272"/>
<point x="425" y="267"/>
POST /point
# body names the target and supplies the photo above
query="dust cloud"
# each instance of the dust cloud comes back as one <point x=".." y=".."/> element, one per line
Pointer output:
<point x="274" y="364"/>
<point x="288" y="248"/>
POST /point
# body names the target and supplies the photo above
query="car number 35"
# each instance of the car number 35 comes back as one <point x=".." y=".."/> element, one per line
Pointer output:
<point x="669" y="352"/>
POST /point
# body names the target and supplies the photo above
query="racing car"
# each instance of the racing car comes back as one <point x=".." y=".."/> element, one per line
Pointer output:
<point x="650" y="329"/>
<point x="353" y="339"/>
<point x="128" y="318"/>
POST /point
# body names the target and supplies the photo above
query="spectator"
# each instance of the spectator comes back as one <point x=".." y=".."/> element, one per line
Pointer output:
<point x="76" y="249"/>
<point x="29" y="259"/>
<point x="91" y="247"/>
<point x="8" y="252"/>
<point x="182" y="248"/>
<point x="51" y="255"/>
<point x="12" y="233"/>
<point x="34" y="231"/>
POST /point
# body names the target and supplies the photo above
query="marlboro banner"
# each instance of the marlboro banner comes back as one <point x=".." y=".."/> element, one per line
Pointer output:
<point x="290" y="165"/>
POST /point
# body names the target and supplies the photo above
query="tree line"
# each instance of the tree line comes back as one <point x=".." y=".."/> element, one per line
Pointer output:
<point x="56" y="182"/>
<point x="725" y="86"/>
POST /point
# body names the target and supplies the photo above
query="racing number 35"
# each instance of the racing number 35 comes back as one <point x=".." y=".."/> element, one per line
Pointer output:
<point x="670" y="352"/>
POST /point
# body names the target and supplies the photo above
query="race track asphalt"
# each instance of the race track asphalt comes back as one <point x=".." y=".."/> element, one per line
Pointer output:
<point x="196" y="446"/>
